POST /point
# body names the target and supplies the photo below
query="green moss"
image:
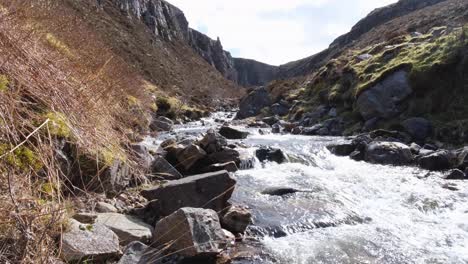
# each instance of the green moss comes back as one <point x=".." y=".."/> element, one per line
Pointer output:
<point x="419" y="57"/>
<point x="22" y="158"/>
<point x="58" y="124"/>
<point x="132" y="101"/>
<point x="4" y="82"/>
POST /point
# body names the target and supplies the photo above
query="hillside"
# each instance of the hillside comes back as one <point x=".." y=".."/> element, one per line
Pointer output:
<point x="403" y="61"/>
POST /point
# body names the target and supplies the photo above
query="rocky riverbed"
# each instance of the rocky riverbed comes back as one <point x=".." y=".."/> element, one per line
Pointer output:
<point x="239" y="193"/>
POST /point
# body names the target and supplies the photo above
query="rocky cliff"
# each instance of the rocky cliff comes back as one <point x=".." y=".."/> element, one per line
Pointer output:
<point x="169" y="23"/>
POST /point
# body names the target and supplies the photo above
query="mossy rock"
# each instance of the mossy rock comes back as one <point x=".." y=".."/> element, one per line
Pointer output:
<point x="21" y="159"/>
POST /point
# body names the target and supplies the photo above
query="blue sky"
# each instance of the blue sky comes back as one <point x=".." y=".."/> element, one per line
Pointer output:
<point x="275" y="31"/>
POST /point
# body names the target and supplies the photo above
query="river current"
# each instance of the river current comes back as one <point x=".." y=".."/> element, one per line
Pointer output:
<point x="346" y="211"/>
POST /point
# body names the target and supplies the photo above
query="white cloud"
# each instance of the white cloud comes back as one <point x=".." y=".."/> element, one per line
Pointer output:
<point x="275" y="31"/>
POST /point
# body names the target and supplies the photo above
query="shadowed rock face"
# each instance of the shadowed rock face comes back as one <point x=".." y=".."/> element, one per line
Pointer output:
<point x="169" y="23"/>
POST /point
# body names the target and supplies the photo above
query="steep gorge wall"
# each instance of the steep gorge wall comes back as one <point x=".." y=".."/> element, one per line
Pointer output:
<point x="169" y="23"/>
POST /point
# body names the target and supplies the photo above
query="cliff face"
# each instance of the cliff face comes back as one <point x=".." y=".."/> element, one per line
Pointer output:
<point x="168" y="23"/>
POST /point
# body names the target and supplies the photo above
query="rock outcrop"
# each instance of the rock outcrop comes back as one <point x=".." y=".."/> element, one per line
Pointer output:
<point x="169" y="23"/>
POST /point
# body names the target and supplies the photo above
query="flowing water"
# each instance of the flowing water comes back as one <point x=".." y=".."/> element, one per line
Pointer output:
<point x="347" y="211"/>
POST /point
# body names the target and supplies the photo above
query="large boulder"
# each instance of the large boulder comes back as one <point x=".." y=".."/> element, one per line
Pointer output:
<point x="383" y="99"/>
<point x="89" y="241"/>
<point x="191" y="232"/>
<point x="253" y="103"/>
<point x="232" y="133"/>
<point x="210" y="190"/>
<point x="437" y="161"/>
<point x="224" y="156"/>
<point x="190" y="155"/>
<point x="126" y="227"/>
<point x="389" y="153"/>
<point x="161" y="124"/>
<point x="419" y="128"/>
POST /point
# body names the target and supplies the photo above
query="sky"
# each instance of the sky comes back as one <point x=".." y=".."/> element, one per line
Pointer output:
<point x="275" y="31"/>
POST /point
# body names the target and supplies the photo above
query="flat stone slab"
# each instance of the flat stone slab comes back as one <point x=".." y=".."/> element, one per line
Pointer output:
<point x="126" y="227"/>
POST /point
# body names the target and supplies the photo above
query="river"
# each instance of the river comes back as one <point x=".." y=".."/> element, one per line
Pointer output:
<point x="347" y="211"/>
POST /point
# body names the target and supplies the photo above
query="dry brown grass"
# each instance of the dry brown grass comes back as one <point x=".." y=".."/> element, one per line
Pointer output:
<point x="48" y="91"/>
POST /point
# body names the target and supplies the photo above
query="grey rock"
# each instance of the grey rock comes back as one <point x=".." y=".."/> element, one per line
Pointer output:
<point x="213" y="142"/>
<point x="279" y="109"/>
<point x="357" y="155"/>
<point x="85" y="241"/>
<point x="364" y="57"/>
<point x="276" y="128"/>
<point x="418" y="128"/>
<point x="190" y="155"/>
<point x="161" y="167"/>
<point x="191" y="232"/>
<point x="456" y="175"/>
<point x="389" y="153"/>
<point x="236" y="219"/>
<point x="228" y="166"/>
<point x="135" y="253"/>
<point x="270" y="154"/>
<point x="102" y="207"/>
<point x="253" y="103"/>
<point x="437" y="161"/>
<point x="126" y="227"/>
<point x="415" y="148"/>
<point x="85" y="218"/>
<point x="210" y="190"/>
<point x="344" y="149"/>
<point x="382" y="100"/>
<point x="232" y="133"/>
<point x="161" y="124"/>
<point x="224" y="156"/>
<point x="271" y="120"/>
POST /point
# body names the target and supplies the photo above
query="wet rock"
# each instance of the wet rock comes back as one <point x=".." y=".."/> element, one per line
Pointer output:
<point x="210" y="190"/>
<point x="437" y="161"/>
<point x="383" y="99"/>
<point x="276" y="128"/>
<point x="253" y="103"/>
<point x="344" y="149"/>
<point x="191" y="232"/>
<point x="161" y="124"/>
<point x="231" y="133"/>
<point x="357" y="155"/>
<point x="236" y="219"/>
<point x="271" y="120"/>
<point x="102" y="207"/>
<point x="270" y="154"/>
<point x="213" y="142"/>
<point x="361" y="142"/>
<point x="415" y="148"/>
<point x="419" y="128"/>
<point x="135" y="253"/>
<point x="228" y="166"/>
<point x="161" y="167"/>
<point x="456" y="175"/>
<point x="389" y="153"/>
<point x="430" y="147"/>
<point x="389" y="135"/>
<point x="86" y="241"/>
<point x="190" y="155"/>
<point x="297" y="130"/>
<point x="224" y="156"/>
<point x="126" y="227"/>
<point x="168" y="142"/>
<point x="279" y="191"/>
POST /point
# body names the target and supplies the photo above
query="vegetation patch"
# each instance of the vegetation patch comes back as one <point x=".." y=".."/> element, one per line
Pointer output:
<point x="58" y="124"/>
<point x="21" y="159"/>
<point x="4" y="82"/>
<point x="58" y="45"/>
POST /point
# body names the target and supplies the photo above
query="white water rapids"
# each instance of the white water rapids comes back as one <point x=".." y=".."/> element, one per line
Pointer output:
<point x="349" y="212"/>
